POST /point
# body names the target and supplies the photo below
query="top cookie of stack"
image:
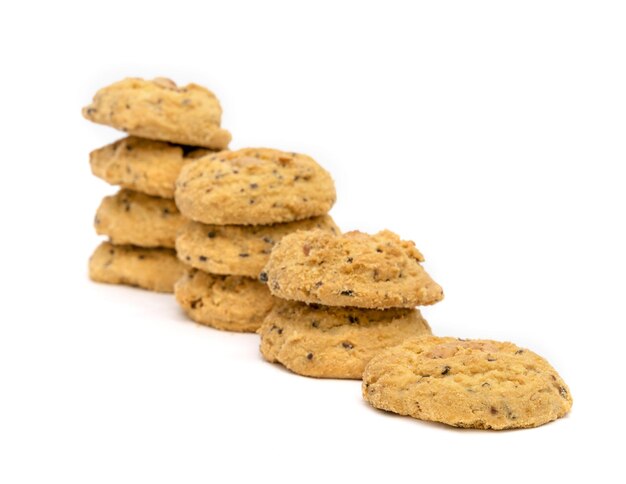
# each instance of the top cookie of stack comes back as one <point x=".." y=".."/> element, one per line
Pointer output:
<point x="170" y="126"/>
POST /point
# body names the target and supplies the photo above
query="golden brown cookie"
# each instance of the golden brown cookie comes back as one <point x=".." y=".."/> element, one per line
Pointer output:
<point x="143" y="165"/>
<point x="479" y="384"/>
<point x="354" y="269"/>
<point x="332" y="342"/>
<point x="254" y="186"/>
<point x="161" y="110"/>
<point x="153" y="269"/>
<point x="238" y="249"/>
<point x="232" y="303"/>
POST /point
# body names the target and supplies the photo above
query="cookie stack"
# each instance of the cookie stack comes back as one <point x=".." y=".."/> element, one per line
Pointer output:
<point x="170" y="127"/>
<point x="342" y="299"/>
<point x="240" y="204"/>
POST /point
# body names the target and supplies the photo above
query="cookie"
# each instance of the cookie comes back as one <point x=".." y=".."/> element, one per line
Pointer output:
<point x="238" y="249"/>
<point x="254" y="186"/>
<point x="354" y="269"/>
<point x="153" y="269"/>
<point x="232" y="303"/>
<point x="143" y="165"/>
<point x="479" y="384"/>
<point x="332" y="342"/>
<point x="160" y="110"/>
<point x="130" y="217"/>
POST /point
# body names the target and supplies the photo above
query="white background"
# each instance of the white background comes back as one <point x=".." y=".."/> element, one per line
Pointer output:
<point x="490" y="133"/>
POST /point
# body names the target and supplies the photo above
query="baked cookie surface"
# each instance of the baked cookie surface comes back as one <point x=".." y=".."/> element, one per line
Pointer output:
<point x="254" y="186"/>
<point x="153" y="269"/>
<point x="231" y="303"/>
<point x="143" y="165"/>
<point x="479" y="384"/>
<point x="130" y="217"/>
<point x="354" y="269"/>
<point x="238" y="249"/>
<point x="333" y="342"/>
<point x="159" y="109"/>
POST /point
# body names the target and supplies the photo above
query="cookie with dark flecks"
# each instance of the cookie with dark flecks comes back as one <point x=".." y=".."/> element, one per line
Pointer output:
<point x="231" y="303"/>
<point x="152" y="269"/>
<point x="238" y="249"/>
<point x="254" y="186"/>
<point x="130" y="217"/>
<point x="333" y="342"/>
<point x="354" y="269"/>
<point x="161" y="110"/>
<point x="479" y="384"/>
<point x="143" y="165"/>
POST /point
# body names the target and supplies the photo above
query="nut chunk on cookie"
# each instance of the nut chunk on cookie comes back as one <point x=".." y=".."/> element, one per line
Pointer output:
<point x="332" y="342"/>
<point x="479" y="384"/>
<point x="161" y="110"/>
<point x="354" y="269"/>
<point x="254" y="186"/>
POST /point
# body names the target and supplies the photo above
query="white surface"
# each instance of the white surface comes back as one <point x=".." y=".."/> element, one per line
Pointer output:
<point x="491" y="133"/>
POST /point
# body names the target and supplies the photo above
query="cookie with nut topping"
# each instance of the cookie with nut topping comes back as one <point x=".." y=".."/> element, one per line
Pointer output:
<point x="354" y="269"/>
<point x="254" y="186"/>
<point x="333" y="342"/>
<point x="480" y="384"/>
<point x="238" y="249"/>
<point x="161" y="110"/>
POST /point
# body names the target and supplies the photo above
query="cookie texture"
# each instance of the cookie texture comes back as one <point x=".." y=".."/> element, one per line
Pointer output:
<point x="254" y="186"/>
<point x="231" y="303"/>
<point x="479" y="384"/>
<point x="238" y="249"/>
<point x="130" y="217"/>
<point x="354" y="269"/>
<point x="159" y="109"/>
<point x="143" y="165"/>
<point x="333" y="342"/>
<point x="153" y="269"/>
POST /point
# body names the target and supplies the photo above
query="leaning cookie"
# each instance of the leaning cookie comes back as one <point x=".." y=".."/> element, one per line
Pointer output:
<point x="231" y="303"/>
<point x="254" y="186"/>
<point x="161" y="110"/>
<point x="327" y="342"/>
<point x="143" y="165"/>
<point x="238" y="249"/>
<point x="130" y="217"/>
<point x="354" y="269"/>
<point x="479" y="384"/>
<point x="152" y="269"/>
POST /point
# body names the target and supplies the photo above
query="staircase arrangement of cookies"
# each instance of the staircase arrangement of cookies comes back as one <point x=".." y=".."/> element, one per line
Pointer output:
<point x="244" y="241"/>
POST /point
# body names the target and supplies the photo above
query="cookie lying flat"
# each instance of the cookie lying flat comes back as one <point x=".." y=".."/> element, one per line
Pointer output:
<point x="130" y="217"/>
<point x="353" y="269"/>
<point x="479" y="384"/>
<point x="153" y="269"/>
<point x="160" y="110"/>
<point x="253" y="187"/>
<point x="143" y="165"/>
<point x="328" y="342"/>
<point x="238" y="249"/>
<point x="232" y="303"/>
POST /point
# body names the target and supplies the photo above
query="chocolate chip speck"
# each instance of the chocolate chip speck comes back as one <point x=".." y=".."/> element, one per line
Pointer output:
<point x="263" y="277"/>
<point x="446" y="370"/>
<point x="494" y="411"/>
<point x="309" y="356"/>
<point x="349" y="260"/>
<point x="202" y="258"/>
<point x="347" y="345"/>
<point x="347" y="292"/>
<point x="353" y="319"/>
<point x="244" y="254"/>
<point x="211" y="234"/>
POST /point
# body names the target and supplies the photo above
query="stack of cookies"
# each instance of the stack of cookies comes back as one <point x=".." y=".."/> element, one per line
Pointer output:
<point x="239" y="205"/>
<point x="170" y="127"/>
<point x="342" y="299"/>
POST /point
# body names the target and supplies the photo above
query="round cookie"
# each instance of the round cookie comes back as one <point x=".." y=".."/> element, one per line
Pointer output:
<point x="254" y="186"/>
<point x="153" y="269"/>
<point x="354" y="269"/>
<point x="238" y="249"/>
<point x="143" y="165"/>
<point x="130" y="217"/>
<point x="332" y="342"/>
<point x="479" y="384"/>
<point x="231" y="303"/>
<point x="161" y="110"/>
